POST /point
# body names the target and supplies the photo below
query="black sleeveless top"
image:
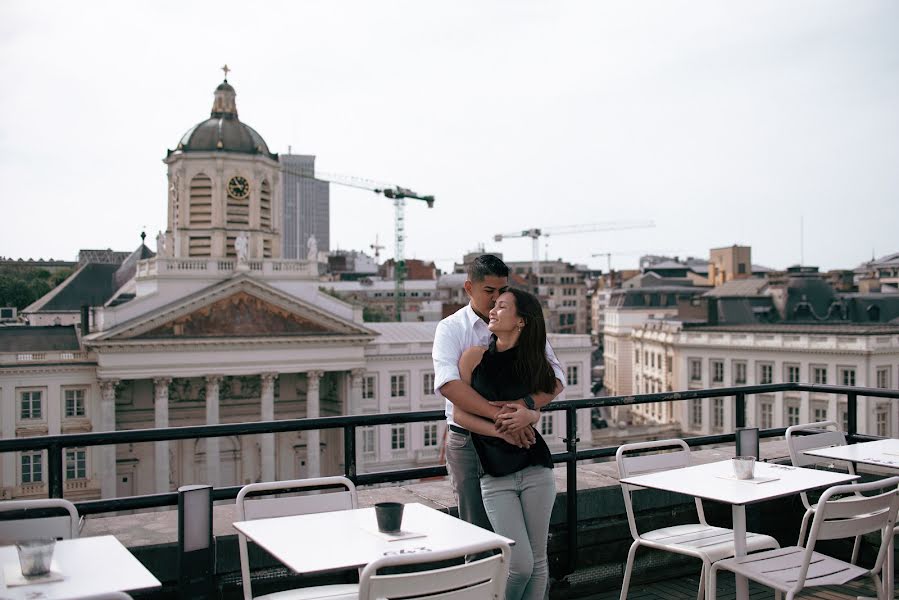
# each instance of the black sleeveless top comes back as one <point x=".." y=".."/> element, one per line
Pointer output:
<point x="495" y="379"/>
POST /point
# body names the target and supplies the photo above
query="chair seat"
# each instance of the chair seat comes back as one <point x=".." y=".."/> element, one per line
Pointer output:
<point x="780" y="568"/>
<point x="714" y="542"/>
<point x="339" y="591"/>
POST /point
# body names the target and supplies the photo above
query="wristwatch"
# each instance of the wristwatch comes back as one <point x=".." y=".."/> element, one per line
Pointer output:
<point x="529" y="402"/>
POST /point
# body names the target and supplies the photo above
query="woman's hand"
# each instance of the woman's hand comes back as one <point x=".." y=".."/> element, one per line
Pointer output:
<point x="514" y="417"/>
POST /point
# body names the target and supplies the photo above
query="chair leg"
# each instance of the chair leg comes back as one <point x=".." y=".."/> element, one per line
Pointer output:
<point x="776" y="594"/>
<point x="703" y="576"/>
<point x="711" y="584"/>
<point x="628" y="570"/>
<point x="855" y="547"/>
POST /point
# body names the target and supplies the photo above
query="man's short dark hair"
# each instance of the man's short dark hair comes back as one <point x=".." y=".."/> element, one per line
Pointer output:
<point x="487" y="265"/>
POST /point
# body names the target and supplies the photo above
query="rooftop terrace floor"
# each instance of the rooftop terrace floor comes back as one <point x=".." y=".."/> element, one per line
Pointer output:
<point x="685" y="588"/>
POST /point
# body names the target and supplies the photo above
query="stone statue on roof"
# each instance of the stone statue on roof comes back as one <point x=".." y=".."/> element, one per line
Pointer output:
<point x="242" y="247"/>
<point x="312" y="248"/>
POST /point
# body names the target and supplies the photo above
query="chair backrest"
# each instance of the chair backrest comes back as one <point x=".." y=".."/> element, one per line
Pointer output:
<point x="483" y="579"/>
<point x="274" y="503"/>
<point x="811" y="436"/>
<point x="646" y="457"/>
<point x="42" y="522"/>
<point x="843" y="511"/>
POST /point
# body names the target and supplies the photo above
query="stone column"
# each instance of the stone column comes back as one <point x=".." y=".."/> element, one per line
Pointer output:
<point x="212" y="418"/>
<point x="313" y="437"/>
<point x="161" y="450"/>
<point x="267" y="413"/>
<point x="107" y="462"/>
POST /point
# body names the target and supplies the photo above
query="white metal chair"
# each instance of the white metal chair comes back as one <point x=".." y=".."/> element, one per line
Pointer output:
<point x="270" y="505"/>
<point x="107" y="596"/>
<point x="699" y="540"/>
<point x="483" y="579"/>
<point x="794" y="568"/>
<point x="817" y="436"/>
<point x="25" y="526"/>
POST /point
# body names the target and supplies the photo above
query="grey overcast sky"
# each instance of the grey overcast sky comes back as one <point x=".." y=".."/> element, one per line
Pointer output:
<point x="723" y="122"/>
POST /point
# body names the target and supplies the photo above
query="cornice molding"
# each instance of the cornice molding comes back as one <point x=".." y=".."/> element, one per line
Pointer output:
<point x="187" y="345"/>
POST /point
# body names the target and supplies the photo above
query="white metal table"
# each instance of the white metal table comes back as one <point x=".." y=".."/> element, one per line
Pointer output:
<point x="714" y="481"/>
<point x="879" y="453"/>
<point x="346" y="539"/>
<point x="89" y="566"/>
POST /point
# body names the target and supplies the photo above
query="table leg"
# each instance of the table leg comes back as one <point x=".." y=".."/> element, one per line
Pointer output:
<point x="739" y="523"/>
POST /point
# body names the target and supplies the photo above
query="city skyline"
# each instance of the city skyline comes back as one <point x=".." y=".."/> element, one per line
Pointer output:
<point x="724" y="125"/>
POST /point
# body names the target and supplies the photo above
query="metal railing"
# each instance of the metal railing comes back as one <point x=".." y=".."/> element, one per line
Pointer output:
<point x="56" y="445"/>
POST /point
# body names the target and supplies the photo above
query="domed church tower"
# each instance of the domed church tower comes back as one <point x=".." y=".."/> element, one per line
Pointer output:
<point x="223" y="189"/>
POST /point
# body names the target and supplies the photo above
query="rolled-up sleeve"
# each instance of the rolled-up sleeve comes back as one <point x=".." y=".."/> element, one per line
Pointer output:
<point x="446" y="352"/>
<point x="556" y="365"/>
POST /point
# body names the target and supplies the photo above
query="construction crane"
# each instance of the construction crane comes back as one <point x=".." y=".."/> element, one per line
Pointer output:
<point x="398" y="195"/>
<point x="377" y="248"/>
<point x="536" y="233"/>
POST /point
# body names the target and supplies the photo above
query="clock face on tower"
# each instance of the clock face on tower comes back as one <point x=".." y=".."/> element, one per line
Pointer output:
<point x="238" y="187"/>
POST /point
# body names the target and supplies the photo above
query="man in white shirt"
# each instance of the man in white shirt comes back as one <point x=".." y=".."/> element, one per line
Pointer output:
<point x="488" y="277"/>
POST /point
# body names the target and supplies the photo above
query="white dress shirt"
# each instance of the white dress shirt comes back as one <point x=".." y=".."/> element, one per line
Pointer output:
<point x="457" y="333"/>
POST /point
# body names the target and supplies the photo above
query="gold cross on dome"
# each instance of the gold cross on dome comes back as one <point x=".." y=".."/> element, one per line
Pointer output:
<point x="226" y="70"/>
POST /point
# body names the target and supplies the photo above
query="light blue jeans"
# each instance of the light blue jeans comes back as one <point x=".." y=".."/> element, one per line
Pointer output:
<point x="519" y="506"/>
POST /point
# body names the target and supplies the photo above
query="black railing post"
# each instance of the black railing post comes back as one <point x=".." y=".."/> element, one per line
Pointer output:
<point x="852" y="410"/>
<point x="54" y="469"/>
<point x="349" y="452"/>
<point x="740" y="408"/>
<point x="571" y="441"/>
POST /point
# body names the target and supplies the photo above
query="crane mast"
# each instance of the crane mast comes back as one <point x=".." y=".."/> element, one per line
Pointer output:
<point x="398" y="195"/>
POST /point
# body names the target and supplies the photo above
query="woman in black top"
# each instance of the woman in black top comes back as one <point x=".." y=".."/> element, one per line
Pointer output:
<point x="517" y="485"/>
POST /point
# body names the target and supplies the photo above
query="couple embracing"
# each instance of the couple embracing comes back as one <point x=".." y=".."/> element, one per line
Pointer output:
<point x="496" y="370"/>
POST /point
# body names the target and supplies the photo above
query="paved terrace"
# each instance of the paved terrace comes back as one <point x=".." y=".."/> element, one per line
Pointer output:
<point x="603" y="536"/>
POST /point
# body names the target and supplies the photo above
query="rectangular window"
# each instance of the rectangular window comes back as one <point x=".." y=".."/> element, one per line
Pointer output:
<point x="636" y="357"/>
<point x="546" y="424"/>
<point x="766" y="415"/>
<point x="695" y="369"/>
<point x="427" y="384"/>
<point x="819" y="375"/>
<point x="368" y="440"/>
<point x="717" y="368"/>
<point x="398" y="437"/>
<point x="32" y="467"/>
<point x="30" y="405"/>
<point x="76" y="463"/>
<point x="74" y="400"/>
<point x="883" y="378"/>
<point x="766" y="373"/>
<point x="369" y="384"/>
<point x="430" y="435"/>
<point x="881" y="420"/>
<point x="696" y="413"/>
<point x="820" y="413"/>
<point x="397" y="386"/>
<point x="791" y="373"/>
<point x="571" y="373"/>
<point x="792" y="415"/>
<point x="739" y="372"/>
<point x="847" y="376"/>
<point x="718" y="413"/>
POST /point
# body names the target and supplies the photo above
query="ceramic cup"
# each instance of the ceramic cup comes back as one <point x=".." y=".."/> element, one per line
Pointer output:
<point x="390" y="516"/>
<point x="744" y="467"/>
<point x="35" y="556"/>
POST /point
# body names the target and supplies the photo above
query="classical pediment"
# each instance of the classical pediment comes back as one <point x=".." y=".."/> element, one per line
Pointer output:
<point x="238" y="315"/>
<point x="237" y="309"/>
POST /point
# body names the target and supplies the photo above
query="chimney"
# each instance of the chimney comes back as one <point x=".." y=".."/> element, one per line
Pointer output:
<point x="85" y="319"/>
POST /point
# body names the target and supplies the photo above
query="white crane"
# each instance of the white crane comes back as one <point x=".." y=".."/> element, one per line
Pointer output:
<point x="536" y="233"/>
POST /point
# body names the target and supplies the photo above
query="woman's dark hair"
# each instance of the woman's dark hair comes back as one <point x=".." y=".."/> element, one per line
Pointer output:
<point x="531" y="364"/>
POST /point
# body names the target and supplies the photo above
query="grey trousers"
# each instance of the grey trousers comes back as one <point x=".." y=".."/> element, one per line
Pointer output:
<point x="464" y="471"/>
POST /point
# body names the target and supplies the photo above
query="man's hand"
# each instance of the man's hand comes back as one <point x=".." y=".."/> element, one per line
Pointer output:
<point x="514" y="417"/>
<point x="521" y="439"/>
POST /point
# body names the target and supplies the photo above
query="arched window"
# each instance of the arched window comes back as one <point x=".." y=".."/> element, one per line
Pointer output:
<point x="200" y="201"/>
